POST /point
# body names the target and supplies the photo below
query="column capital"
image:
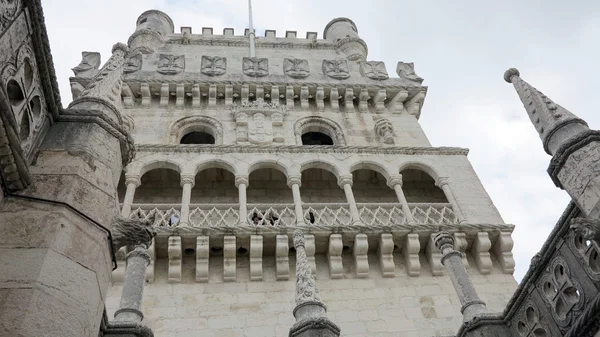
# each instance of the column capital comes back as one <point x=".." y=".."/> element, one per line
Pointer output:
<point x="395" y="180"/>
<point x="444" y="240"/>
<point x="294" y="180"/>
<point x="345" y="180"/>
<point x="241" y="180"/>
<point x="442" y="181"/>
<point x="188" y="180"/>
<point x="133" y="180"/>
<point x="299" y="240"/>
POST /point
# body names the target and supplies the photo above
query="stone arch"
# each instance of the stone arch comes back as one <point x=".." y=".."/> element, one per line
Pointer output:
<point x="270" y="164"/>
<point x="319" y="124"/>
<point x="420" y="166"/>
<point x="320" y="164"/>
<point x="152" y="164"/>
<point x="215" y="163"/>
<point x="370" y="165"/>
<point x="185" y="125"/>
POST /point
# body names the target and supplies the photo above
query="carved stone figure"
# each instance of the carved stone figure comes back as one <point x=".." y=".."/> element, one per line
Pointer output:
<point x="170" y="64"/>
<point x="337" y="69"/>
<point x="88" y="67"/>
<point x="133" y="63"/>
<point x="8" y="12"/>
<point x="589" y="229"/>
<point x="255" y="67"/>
<point x="374" y="70"/>
<point x="407" y="71"/>
<point x="296" y="68"/>
<point x="213" y="65"/>
<point x="126" y="232"/>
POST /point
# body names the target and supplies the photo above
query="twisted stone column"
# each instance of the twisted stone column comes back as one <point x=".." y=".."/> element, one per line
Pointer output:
<point x="310" y="312"/>
<point x="345" y="182"/>
<point x="241" y="182"/>
<point x="294" y="183"/>
<point x="187" y="183"/>
<point x="132" y="182"/>
<point x="395" y="182"/>
<point x="452" y="260"/>
<point x="442" y="183"/>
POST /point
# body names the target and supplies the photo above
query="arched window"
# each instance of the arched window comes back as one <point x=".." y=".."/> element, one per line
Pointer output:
<point x="197" y="137"/>
<point x="316" y="138"/>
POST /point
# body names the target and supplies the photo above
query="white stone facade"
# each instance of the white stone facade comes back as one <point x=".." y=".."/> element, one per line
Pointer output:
<point x="369" y="203"/>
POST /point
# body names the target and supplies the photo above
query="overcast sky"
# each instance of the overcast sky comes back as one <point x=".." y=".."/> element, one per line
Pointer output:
<point x="461" y="48"/>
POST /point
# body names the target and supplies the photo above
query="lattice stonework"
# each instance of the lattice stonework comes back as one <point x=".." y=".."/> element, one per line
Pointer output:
<point x="437" y="214"/>
<point x="384" y="215"/>
<point x="162" y="215"/>
<point x="271" y="215"/>
<point x="331" y="215"/>
<point x="214" y="216"/>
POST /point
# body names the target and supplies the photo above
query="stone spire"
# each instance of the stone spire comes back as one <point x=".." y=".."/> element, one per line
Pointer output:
<point x="554" y="124"/>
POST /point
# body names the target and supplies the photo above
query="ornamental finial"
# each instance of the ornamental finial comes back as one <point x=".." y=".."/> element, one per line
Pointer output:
<point x="508" y="74"/>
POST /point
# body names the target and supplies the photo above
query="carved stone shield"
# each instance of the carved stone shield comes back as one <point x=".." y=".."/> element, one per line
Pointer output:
<point x="296" y="68"/>
<point x="213" y="65"/>
<point x="170" y="64"/>
<point x="374" y="70"/>
<point x="132" y="64"/>
<point x="255" y="67"/>
<point x="337" y="69"/>
<point x="260" y="129"/>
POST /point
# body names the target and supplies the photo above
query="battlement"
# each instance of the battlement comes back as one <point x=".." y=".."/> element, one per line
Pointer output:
<point x="208" y="33"/>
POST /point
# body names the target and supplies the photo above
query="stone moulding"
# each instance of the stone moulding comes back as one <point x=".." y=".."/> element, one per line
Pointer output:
<point x="193" y="123"/>
<point x="241" y="41"/>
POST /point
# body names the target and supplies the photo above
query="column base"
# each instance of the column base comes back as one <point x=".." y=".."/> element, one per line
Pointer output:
<point x="127" y="329"/>
<point x="315" y="327"/>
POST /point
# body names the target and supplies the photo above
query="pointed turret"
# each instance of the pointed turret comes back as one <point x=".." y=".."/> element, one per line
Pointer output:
<point x="575" y="149"/>
<point x="553" y="123"/>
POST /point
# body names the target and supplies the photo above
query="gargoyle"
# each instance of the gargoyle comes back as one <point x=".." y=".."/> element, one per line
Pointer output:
<point x="589" y="229"/>
<point x="130" y="232"/>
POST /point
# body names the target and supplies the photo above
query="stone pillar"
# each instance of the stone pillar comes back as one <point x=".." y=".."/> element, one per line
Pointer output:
<point x="395" y="182"/>
<point x="442" y="183"/>
<point x="310" y="312"/>
<point x="187" y="182"/>
<point x="132" y="183"/>
<point x="130" y="308"/>
<point x="452" y="260"/>
<point x="294" y="183"/>
<point x="241" y="182"/>
<point x="345" y="182"/>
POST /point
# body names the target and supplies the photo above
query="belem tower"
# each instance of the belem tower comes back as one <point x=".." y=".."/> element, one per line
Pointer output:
<point x="229" y="184"/>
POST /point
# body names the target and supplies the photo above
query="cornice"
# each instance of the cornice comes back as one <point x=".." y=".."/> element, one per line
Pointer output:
<point x="192" y="148"/>
<point x="242" y="41"/>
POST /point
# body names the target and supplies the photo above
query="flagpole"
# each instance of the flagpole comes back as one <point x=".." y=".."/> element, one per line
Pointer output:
<point x="251" y="34"/>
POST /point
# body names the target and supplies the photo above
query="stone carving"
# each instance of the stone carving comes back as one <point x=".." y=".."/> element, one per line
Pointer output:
<point x="384" y="129"/>
<point x="133" y="63"/>
<point x="374" y="70"/>
<point x="337" y="69"/>
<point x="260" y="131"/>
<point x="306" y="289"/>
<point x="406" y="70"/>
<point x="528" y="322"/>
<point x="561" y="291"/>
<point x="255" y="67"/>
<point x="126" y="232"/>
<point x="589" y="229"/>
<point x="8" y="12"/>
<point x="170" y="64"/>
<point x="296" y="68"/>
<point x="88" y="67"/>
<point x="259" y="122"/>
<point x="213" y="65"/>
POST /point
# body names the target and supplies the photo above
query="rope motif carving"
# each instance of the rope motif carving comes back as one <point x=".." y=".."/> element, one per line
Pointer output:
<point x="306" y="289"/>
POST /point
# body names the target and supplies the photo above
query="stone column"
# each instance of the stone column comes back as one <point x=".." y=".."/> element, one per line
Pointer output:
<point x="395" y="182"/>
<point x="187" y="182"/>
<point x="310" y="312"/>
<point x="452" y="260"/>
<point x="442" y="183"/>
<point x="294" y="183"/>
<point x="132" y="182"/>
<point x="241" y="182"/>
<point x="130" y="308"/>
<point x="345" y="182"/>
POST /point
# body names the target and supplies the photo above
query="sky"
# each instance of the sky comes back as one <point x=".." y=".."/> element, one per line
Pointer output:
<point x="461" y="48"/>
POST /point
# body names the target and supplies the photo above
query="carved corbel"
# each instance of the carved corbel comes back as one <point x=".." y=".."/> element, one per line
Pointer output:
<point x="212" y="96"/>
<point x="379" y="100"/>
<point x="245" y="92"/>
<point x="164" y="95"/>
<point x="481" y="252"/>
<point x="289" y="96"/>
<point x="411" y="249"/>
<point x="413" y="106"/>
<point x="179" y="91"/>
<point x="202" y="256"/>
<point x="396" y="104"/>
<point x="145" y="89"/>
<point x="229" y="262"/>
<point x="363" y="100"/>
<point x="503" y="249"/>
<point x="349" y="100"/>
<point x="334" y="98"/>
<point x="260" y="93"/>
<point x="434" y="257"/>
<point x="359" y="250"/>
<point x="127" y="95"/>
<point x="174" y="251"/>
<point x="282" y="261"/>
<point x="385" y="252"/>
<point x="256" y="257"/>
<point x="460" y="245"/>
<point x="304" y="97"/>
<point x="319" y="99"/>
<point x="228" y="94"/>
<point x="275" y="94"/>
<point x="195" y="96"/>
<point x="334" y="255"/>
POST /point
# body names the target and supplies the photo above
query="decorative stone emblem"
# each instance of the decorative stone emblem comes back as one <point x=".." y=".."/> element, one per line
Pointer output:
<point x="337" y="69"/>
<point x="88" y="67"/>
<point x="259" y="122"/>
<point x="213" y="65"/>
<point x="260" y="131"/>
<point x="170" y="64"/>
<point x="374" y="70"/>
<point x="133" y="63"/>
<point x="407" y="71"/>
<point x="296" y="68"/>
<point x="255" y="67"/>
<point x="8" y="12"/>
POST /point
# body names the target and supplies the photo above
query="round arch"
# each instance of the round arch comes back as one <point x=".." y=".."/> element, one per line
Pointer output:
<point x="319" y="164"/>
<point x="157" y="164"/>
<point x="421" y="167"/>
<point x="319" y="124"/>
<point x="268" y="164"/>
<point x="369" y="165"/>
<point x="185" y="125"/>
<point x="215" y="163"/>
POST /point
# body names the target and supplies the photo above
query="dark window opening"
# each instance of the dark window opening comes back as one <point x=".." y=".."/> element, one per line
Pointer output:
<point x="316" y="138"/>
<point x="14" y="91"/>
<point x="143" y="20"/>
<point x="198" y="138"/>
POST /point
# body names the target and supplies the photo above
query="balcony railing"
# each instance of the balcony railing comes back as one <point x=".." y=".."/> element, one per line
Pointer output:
<point x="324" y="214"/>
